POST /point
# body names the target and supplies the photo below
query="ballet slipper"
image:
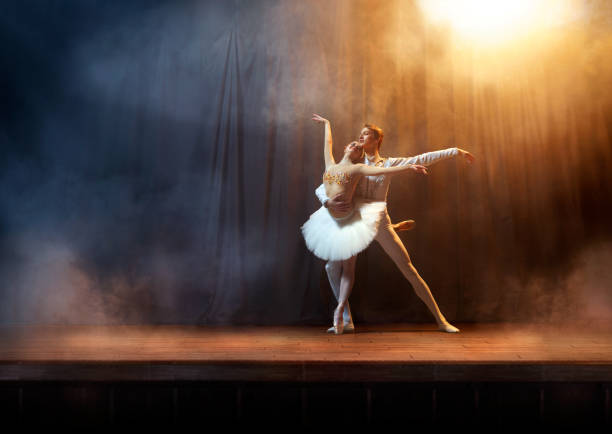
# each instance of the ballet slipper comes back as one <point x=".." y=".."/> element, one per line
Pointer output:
<point x="447" y="327"/>
<point x="338" y="321"/>
<point x="350" y="327"/>
<point x="405" y="225"/>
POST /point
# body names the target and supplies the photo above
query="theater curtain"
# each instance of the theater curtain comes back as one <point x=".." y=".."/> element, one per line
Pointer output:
<point x="159" y="160"/>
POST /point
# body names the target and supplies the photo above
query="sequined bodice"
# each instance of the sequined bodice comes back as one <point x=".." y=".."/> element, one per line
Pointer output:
<point x="338" y="178"/>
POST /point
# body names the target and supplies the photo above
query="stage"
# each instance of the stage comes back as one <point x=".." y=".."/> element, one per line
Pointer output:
<point x="495" y="373"/>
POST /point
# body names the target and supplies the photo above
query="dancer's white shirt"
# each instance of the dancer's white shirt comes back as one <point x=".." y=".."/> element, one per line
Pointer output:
<point x="377" y="187"/>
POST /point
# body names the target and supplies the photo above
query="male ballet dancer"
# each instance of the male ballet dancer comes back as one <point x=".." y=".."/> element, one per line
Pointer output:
<point x="376" y="188"/>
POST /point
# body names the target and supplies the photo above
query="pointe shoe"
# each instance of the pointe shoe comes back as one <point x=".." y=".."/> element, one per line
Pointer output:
<point x="350" y="327"/>
<point x="338" y="322"/>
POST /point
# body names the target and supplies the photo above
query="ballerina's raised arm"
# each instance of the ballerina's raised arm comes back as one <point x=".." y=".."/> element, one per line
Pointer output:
<point x="327" y="142"/>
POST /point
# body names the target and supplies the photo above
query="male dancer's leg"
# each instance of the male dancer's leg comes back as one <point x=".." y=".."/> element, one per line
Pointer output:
<point x="334" y="274"/>
<point x="392" y="245"/>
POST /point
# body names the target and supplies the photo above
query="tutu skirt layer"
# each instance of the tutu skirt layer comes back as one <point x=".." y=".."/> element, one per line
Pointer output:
<point x="338" y="239"/>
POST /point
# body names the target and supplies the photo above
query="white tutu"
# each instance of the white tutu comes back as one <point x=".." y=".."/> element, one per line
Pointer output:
<point x="338" y="239"/>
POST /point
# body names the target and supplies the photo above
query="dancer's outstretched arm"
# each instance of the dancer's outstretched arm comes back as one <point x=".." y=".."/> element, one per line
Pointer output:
<point x="327" y="142"/>
<point x="365" y="170"/>
<point x="429" y="158"/>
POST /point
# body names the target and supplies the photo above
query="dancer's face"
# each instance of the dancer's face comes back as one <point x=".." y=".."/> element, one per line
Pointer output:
<point x="355" y="151"/>
<point x="368" y="139"/>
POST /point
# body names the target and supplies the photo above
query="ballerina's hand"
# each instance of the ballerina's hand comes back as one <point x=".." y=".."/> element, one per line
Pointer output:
<point x="465" y="154"/>
<point x="317" y="118"/>
<point x="419" y="169"/>
<point x="338" y="203"/>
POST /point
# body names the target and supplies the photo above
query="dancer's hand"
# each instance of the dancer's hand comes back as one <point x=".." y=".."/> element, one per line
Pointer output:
<point x="317" y="118"/>
<point x="419" y="169"/>
<point x="465" y="154"/>
<point x="338" y="203"/>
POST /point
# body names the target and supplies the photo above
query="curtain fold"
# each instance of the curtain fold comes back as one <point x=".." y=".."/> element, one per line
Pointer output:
<point x="159" y="161"/>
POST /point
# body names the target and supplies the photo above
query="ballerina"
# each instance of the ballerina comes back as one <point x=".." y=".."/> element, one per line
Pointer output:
<point x="340" y="234"/>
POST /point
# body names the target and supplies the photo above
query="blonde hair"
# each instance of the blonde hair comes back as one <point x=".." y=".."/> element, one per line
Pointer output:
<point x="378" y="131"/>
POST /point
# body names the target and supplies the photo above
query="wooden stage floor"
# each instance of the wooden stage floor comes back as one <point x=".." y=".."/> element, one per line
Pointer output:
<point x="375" y="353"/>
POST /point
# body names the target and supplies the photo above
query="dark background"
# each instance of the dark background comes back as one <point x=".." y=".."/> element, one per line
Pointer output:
<point x="158" y="158"/>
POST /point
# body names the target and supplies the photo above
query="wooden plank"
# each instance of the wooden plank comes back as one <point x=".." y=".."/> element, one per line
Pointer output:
<point x="381" y="353"/>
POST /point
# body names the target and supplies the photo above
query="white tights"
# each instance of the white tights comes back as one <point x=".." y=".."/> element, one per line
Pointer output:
<point x="341" y="275"/>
